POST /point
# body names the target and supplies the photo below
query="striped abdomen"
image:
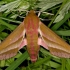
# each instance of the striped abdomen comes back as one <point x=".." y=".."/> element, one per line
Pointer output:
<point x="31" y="24"/>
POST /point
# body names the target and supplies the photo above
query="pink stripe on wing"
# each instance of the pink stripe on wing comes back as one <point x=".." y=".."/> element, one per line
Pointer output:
<point x="42" y="43"/>
<point x="6" y="56"/>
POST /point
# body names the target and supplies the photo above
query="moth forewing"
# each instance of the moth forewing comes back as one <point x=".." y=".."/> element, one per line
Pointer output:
<point x="54" y="42"/>
<point x="10" y="46"/>
<point x="13" y="37"/>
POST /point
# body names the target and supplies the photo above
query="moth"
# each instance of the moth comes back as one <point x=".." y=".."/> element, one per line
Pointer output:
<point x="33" y="33"/>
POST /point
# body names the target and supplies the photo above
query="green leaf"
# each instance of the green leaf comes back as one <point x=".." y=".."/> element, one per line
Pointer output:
<point x="10" y="6"/>
<point x="52" y="64"/>
<point x="41" y="61"/>
<point x="12" y="27"/>
<point x="62" y="12"/>
<point x="63" y="33"/>
<point x="46" y="4"/>
<point x="58" y="24"/>
<point x="16" y="63"/>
